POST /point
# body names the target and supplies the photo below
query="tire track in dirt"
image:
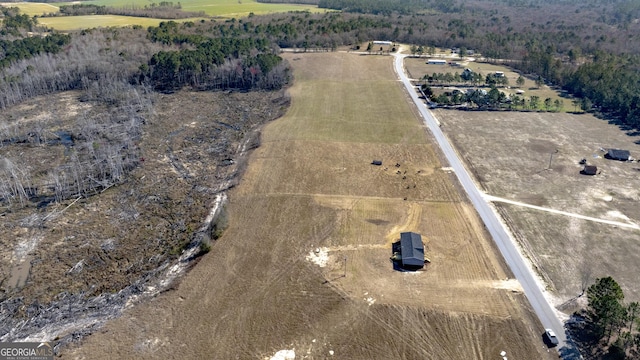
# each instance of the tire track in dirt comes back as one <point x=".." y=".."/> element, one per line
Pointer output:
<point x="256" y="293"/>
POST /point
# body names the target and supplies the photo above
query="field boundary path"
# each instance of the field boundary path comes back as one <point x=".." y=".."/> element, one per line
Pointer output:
<point x="560" y="212"/>
<point x="516" y="262"/>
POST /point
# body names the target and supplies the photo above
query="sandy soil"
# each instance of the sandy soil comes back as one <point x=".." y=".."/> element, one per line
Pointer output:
<point x="304" y="266"/>
<point x="533" y="158"/>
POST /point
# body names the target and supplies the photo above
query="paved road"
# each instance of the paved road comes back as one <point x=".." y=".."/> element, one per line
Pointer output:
<point x="545" y="312"/>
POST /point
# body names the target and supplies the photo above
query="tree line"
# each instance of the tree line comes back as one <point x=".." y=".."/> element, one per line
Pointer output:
<point x="15" y="45"/>
<point x="14" y="23"/>
<point x="224" y="62"/>
<point x="29" y="47"/>
<point x="162" y="10"/>
<point x="388" y="7"/>
<point x="611" y="326"/>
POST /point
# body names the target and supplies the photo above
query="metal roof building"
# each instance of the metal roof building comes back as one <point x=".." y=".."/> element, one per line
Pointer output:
<point x="590" y="170"/>
<point x="616" y="154"/>
<point x="411" y="250"/>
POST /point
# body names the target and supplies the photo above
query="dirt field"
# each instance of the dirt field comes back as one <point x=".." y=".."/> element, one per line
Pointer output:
<point x="304" y="265"/>
<point x="567" y="251"/>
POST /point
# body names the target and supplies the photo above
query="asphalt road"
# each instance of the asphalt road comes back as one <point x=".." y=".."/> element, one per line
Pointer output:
<point x="543" y="309"/>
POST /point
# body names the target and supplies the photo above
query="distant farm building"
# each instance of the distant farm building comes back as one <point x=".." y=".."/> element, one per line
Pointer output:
<point x="615" y="154"/>
<point x="457" y="51"/>
<point x="589" y="170"/>
<point x="411" y="251"/>
<point x="437" y="62"/>
<point x="483" y="92"/>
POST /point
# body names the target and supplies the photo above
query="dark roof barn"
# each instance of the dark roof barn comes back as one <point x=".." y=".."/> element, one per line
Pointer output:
<point x="411" y="250"/>
<point x="616" y="154"/>
<point x="590" y="170"/>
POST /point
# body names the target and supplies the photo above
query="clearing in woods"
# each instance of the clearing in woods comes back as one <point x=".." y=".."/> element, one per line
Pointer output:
<point x="304" y="265"/>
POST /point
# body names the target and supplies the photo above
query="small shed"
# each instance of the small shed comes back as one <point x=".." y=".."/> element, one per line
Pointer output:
<point x="590" y="170"/>
<point x="615" y="154"/>
<point x="376" y="162"/>
<point x="411" y="251"/>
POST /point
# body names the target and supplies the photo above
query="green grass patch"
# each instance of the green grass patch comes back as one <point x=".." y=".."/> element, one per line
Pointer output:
<point x="33" y="9"/>
<point x="356" y="99"/>
<point x="362" y="112"/>
<point x="214" y="8"/>
<point x="67" y="23"/>
<point x="218" y="8"/>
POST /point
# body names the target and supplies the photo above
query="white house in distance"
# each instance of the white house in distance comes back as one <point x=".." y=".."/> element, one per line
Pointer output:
<point x="437" y="62"/>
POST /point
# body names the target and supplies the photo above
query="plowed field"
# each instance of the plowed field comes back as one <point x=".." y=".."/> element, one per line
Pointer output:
<point x="304" y="265"/>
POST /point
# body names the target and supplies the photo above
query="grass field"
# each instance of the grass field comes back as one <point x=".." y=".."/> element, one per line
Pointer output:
<point x="217" y="8"/>
<point x="67" y="23"/>
<point x="214" y="8"/>
<point x="310" y="192"/>
<point x="33" y="9"/>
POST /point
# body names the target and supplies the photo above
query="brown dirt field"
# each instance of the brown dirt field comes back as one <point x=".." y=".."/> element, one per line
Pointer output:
<point x="277" y="278"/>
<point x="509" y="152"/>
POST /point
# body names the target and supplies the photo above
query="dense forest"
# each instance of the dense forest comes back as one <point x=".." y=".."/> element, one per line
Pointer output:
<point x="237" y="61"/>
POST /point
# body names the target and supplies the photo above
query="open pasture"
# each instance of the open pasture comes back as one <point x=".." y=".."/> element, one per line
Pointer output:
<point x="68" y="23"/>
<point x="217" y="8"/>
<point x="213" y="8"/>
<point x="304" y="265"/>
<point x="33" y="9"/>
